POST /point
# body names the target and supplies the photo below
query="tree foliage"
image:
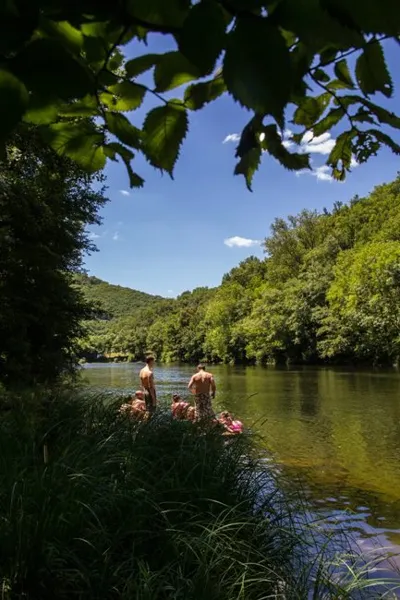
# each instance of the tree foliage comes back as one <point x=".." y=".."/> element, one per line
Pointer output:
<point x="327" y="291"/>
<point x="65" y="67"/>
<point x="46" y="201"/>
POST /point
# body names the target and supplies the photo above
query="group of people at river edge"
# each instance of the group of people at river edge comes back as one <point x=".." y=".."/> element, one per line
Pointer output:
<point x="201" y="385"/>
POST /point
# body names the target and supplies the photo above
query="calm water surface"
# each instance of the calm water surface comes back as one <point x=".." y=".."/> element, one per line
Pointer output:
<point x="335" y="431"/>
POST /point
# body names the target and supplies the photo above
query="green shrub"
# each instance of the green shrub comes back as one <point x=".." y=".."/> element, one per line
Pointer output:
<point x="158" y="510"/>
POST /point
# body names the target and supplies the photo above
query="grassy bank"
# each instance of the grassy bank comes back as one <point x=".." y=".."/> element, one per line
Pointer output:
<point x="151" y="511"/>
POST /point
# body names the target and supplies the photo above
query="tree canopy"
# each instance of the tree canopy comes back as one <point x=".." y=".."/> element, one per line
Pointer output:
<point x="327" y="291"/>
<point x="46" y="201"/>
<point x="319" y="62"/>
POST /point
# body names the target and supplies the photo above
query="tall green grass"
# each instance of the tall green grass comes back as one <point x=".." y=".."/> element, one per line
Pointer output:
<point x="158" y="510"/>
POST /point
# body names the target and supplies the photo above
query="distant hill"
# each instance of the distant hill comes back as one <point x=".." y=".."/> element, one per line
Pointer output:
<point x="115" y="300"/>
<point x="125" y="324"/>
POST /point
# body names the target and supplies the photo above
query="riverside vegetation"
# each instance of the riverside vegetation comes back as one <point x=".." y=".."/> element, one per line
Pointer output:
<point x="153" y="510"/>
<point x="328" y="291"/>
<point x="95" y="506"/>
<point x="92" y="506"/>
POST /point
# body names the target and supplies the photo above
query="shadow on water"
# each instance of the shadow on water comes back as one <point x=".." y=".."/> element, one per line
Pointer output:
<point x="335" y="432"/>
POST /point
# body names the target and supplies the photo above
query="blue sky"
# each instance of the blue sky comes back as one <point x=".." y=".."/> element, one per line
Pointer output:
<point x="175" y="235"/>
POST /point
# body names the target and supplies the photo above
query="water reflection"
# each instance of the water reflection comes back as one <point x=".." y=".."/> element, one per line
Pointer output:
<point x="336" y="432"/>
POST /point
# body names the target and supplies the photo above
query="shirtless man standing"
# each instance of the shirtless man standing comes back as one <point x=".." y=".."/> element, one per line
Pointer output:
<point x="202" y="385"/>
<point x="147" y="383"/>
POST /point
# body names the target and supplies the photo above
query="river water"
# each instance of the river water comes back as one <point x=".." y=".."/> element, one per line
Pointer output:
<point x="336" y="432"/>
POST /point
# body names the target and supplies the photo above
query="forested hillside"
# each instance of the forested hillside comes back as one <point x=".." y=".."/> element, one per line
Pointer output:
<point x="327" y="291"/>
<point x="116" y="301"/>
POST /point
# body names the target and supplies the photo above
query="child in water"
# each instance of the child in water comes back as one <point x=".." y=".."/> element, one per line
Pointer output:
<point x="231" y="426"/>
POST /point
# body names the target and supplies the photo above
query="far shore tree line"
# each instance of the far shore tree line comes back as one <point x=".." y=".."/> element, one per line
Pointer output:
<point x="328" y="291"/>
<point x="70" y="89"/>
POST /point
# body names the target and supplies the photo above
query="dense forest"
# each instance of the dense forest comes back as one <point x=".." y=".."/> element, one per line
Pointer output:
<point x="328" y="290"/>
<point x="46" y="202"/>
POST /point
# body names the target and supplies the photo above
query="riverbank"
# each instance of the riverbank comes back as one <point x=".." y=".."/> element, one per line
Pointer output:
<point x="114" y="509"/>
<point x="120" y="358"/>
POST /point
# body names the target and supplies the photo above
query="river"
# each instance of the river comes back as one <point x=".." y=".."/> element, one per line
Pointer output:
<point x="336" y="432"/>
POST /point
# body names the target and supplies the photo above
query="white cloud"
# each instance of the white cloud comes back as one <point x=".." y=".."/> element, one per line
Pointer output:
<point x="323" y="172"/>
<point x="93" y="235"/>
<point x="322" y="144"/>
<point x="354" y="163"/>
<point x="240" y="242"/>
<point x="116" y="236"/>
<point x="124" y="192"/>
<point x="232" y="137"/>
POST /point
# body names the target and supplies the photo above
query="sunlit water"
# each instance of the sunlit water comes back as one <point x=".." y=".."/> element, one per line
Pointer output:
<point x="336" y="432"/>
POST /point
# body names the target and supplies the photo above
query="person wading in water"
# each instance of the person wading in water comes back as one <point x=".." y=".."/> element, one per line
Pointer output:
<point x="147" y="383"/>
<point x="202" y="385"/>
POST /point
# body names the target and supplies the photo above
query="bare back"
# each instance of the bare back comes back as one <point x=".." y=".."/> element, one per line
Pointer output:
<point x="146" y="378"/>
<point x="202" y="383"/>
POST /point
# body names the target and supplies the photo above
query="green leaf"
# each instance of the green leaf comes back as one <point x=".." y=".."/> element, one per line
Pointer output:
<point x="343" y="74"/>
<point x="320" y="75"/>
<point x="203" y="35"/>
<point x="332" y="118"/>
<point x="372" y="72"/>
<point x="127" y="133"/>
<point x="87" y="107"/>
<point x="141" y="64"/>
<point x="42" y="111"/>
<point x="165" y="128"/>
<point x="257" y="67"/>
<point x="48" y="69"/>
<point x="248" y="165"/>
<point x="383" y="138"/>
<point x="124" y="96"/>
<point x="363" y="116"/>
<point x="384" y="116"/>
<point x="315" y="27"/>
<point x="371" y="16"/>
<point x="14" y="100"/>
<point x="140" y="33"/>
<point x="200" y="94"/>
<point x="97" y="29"/>
<point x="95" y="50"/>
<point x="106" y="78"/>
<point x="328" y="55"/>
<point x="79" y="141"/>
<point x="169" y="14"/>
<point x="116" y="60"/>
<point x="311" y="109"/>
<point x="336" y="84"/>
<point x="342" y="153"/>
<point x="62" y="31"/>
<point x="173" y="70"/>
<point x="115" y="148"/>
<point x="250" y="137"/>
<point x="272" y="142"/>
